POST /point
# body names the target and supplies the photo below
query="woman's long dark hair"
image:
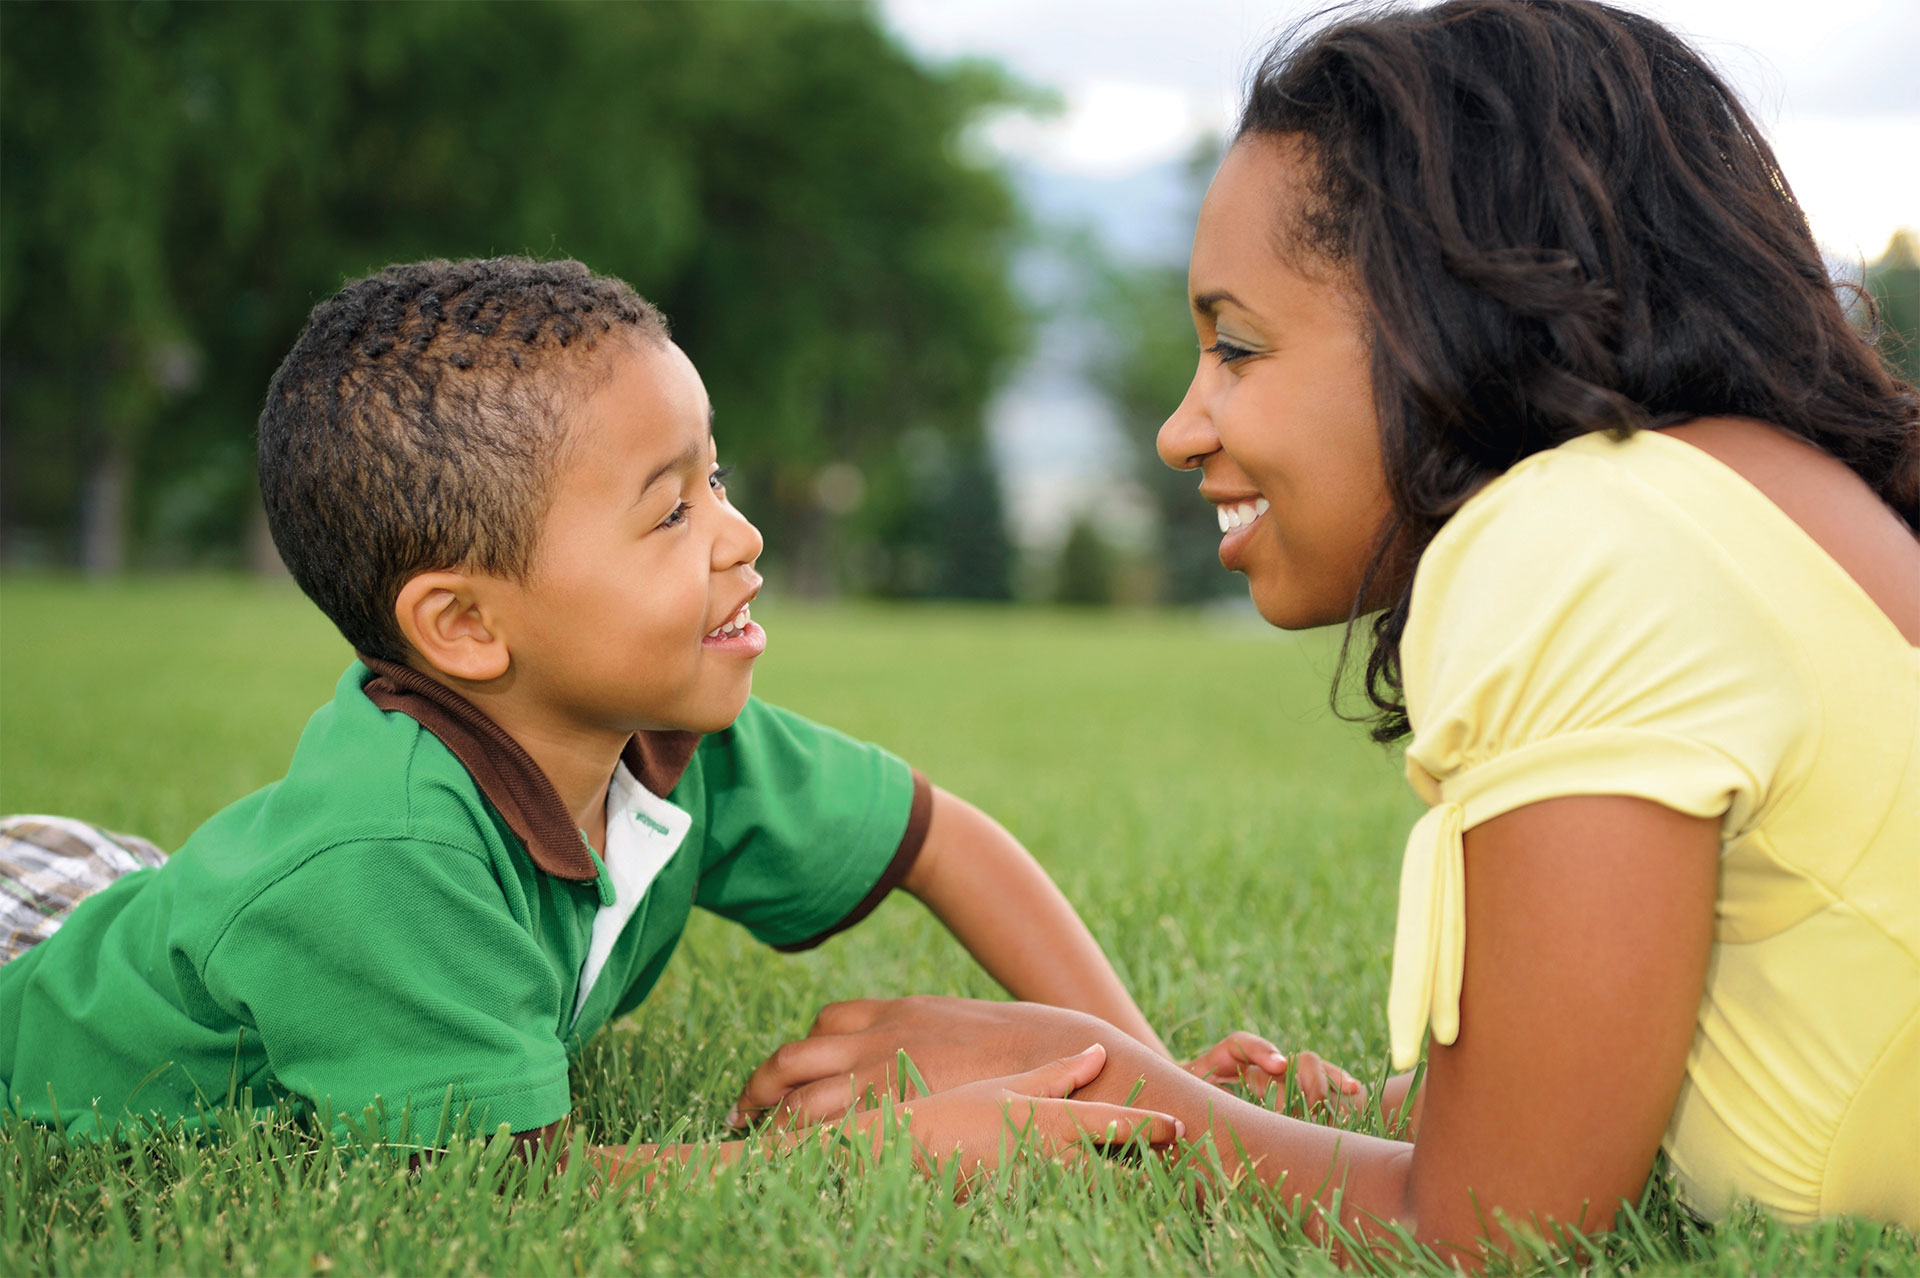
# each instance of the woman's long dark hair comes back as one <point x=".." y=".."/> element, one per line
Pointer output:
<point x="1560" y="220"/>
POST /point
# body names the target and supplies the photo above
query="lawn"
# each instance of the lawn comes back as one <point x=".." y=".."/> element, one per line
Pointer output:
<point x="1233" y="845"/>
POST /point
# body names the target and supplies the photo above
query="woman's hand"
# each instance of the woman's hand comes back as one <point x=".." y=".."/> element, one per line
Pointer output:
<point x="983" y="1123"/>
<point x="1246" y="1058"/>
<point x="853" y="1049"/>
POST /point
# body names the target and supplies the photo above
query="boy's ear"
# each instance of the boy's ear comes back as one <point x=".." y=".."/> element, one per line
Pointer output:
<point x="445" y="616"/>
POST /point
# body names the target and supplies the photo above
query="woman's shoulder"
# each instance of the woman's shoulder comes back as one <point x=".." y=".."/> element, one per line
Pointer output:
<point x="1606" y="488"/>
<point x="1733" y="503"/>
<point x="1598" y="522"/>
<point x="1598" y="603"/>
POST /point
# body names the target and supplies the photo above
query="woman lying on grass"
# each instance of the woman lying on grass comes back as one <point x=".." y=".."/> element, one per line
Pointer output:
<point x="1516" y="345"/>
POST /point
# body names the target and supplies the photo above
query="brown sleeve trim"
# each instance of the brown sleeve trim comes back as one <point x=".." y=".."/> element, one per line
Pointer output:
<point x="919" y="817"/>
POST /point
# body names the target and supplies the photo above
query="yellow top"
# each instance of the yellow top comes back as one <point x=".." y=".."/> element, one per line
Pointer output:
<point x="1635" y="618"/>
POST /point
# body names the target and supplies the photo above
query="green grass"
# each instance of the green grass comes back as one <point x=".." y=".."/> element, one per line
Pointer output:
<point x="1232" y="844"/>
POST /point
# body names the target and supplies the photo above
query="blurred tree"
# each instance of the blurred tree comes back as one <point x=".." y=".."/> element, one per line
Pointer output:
<point x="1146" y="360"/>
<point x="1894" y="282"/>
<point x="1085" y="573"/>
<point x="1149" y="358"/>
<point x="180" y="183"/>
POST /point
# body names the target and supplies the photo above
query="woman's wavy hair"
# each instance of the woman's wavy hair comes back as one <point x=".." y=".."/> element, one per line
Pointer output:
<point x="1559" y="220"/>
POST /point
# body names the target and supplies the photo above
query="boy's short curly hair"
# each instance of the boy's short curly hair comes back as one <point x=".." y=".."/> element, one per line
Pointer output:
<point x="417" y="423"/>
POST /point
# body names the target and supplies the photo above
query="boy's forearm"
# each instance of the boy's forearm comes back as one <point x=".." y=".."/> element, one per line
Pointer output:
<point x="637" y="1163"/>
<point x="1400" y="1104"/>
<point x="997" y="901"/>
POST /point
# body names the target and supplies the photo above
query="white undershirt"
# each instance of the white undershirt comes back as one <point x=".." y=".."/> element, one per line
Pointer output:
<point x="643" y="833"/>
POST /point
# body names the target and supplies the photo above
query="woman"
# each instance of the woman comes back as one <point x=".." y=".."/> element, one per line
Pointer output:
<point x="1515" y="341"/>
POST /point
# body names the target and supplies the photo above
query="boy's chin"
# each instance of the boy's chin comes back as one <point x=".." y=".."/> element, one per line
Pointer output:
<point x="719" y="716"/>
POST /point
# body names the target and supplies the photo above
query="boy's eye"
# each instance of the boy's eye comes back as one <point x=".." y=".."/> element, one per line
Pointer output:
<point x="677" y="517"/>
<point x="1226" y="352"/>
<point x="718" y="479"/>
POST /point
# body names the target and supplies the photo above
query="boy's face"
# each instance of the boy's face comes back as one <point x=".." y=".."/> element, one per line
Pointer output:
<point x="641" y="563"/>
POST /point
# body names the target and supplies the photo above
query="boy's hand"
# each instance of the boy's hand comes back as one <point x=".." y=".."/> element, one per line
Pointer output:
<point x="1256" y="1064"/>
<point x="853" y="1049"/>
<point x="981" y="1123"/>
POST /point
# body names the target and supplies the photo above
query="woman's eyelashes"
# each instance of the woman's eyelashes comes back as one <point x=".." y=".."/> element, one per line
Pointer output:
<point x="1227" y="352"/>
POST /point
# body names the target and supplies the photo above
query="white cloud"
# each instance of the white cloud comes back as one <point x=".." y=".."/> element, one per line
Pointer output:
<point x="1834" y="85"/>
<point x="1109" y="128"/>
<point x="1857" y="177"/>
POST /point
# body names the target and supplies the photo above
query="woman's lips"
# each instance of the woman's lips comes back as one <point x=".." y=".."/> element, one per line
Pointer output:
<point x="1237" y="522"/>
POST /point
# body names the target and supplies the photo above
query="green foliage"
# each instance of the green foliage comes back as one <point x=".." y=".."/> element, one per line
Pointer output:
<point x="1085" y="572"/>
<point x="1894" y="282"/>
<point x="182" y="182"/>
<point x="1148" y="358"/>
<point x="1240" y="870"/>
<point x="947" y="538"/>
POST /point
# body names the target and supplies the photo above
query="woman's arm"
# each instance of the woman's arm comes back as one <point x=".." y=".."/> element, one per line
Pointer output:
<point x="1589" y="922"/>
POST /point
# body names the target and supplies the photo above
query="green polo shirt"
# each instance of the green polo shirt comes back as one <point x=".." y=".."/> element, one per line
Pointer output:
<point x="370" y="932"/>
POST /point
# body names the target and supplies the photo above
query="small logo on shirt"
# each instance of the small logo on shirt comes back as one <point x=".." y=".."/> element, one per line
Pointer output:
<point x="650" y="823"/>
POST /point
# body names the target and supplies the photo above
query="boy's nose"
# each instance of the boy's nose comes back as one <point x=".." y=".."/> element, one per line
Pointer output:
<point x="739" y="541"/>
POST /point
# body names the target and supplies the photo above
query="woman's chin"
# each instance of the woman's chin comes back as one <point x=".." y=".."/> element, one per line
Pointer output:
<point x="1283" y="605"/>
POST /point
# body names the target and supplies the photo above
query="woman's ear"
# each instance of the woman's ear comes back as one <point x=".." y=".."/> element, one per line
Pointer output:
<point x="447" y="618"/>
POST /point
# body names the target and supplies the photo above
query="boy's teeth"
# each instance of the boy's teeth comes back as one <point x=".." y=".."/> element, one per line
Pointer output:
<point x="1240" y="514"/>
<point x="734" y="625"/>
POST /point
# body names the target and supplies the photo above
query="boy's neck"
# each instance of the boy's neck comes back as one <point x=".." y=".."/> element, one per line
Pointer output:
<point x="518" y="784"/>
<point x="580" y="766"/>
<point x="579" y="763"/>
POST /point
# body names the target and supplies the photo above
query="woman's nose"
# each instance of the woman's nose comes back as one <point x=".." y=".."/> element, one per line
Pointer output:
<point x="1188" y="437"/>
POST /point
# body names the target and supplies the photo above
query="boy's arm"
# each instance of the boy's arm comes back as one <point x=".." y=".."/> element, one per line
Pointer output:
<point x="976" y="1123"/>
<point x="998" y="903"/>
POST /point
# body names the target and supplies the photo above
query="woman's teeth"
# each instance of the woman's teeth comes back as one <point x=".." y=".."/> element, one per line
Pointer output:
<point x="1240" y="514"/>
<point x="734" y="626"/>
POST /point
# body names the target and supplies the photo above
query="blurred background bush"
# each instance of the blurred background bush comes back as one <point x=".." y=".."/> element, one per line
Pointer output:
<point x="854" y="270"/>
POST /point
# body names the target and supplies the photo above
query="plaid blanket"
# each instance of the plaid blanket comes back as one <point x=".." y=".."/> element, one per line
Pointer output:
<point x="50" y="864"/>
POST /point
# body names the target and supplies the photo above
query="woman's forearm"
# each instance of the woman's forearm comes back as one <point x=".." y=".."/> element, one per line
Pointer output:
<point x="1316" y="1165"/>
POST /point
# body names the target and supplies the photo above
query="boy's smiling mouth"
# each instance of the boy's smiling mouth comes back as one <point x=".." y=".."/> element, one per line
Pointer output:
<point x="734" y="624"/>
<point x="738" y="634"/>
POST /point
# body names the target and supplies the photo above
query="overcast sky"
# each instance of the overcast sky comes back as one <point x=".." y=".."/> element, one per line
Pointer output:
<point x="1834" y="83"/>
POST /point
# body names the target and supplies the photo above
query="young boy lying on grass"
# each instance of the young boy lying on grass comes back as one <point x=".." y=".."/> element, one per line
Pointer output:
<point x="498" y="479"/>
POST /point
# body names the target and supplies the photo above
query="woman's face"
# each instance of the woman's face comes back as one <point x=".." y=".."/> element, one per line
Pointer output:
<point x="1279" y="419"/>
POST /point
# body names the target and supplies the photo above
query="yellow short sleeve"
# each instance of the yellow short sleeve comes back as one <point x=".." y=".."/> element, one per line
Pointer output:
<point x="1573" y="632"/>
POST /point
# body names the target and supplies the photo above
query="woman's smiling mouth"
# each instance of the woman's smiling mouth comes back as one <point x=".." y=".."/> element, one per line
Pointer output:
<point x="1238" y="514"/>
<point x="1237" y="520"/>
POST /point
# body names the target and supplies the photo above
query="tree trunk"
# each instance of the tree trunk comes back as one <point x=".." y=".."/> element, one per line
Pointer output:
<point x="103" y="512"/>
<point x="263" y="560"/>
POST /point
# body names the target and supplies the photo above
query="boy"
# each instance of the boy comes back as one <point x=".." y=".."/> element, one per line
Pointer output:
<point x="497" y="478"/>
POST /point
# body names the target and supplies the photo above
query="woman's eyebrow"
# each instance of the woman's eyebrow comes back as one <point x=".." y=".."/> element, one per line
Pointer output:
<point x="1209" y="303"/>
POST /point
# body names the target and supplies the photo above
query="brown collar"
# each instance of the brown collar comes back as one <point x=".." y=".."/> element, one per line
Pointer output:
<point x="507" y="774"/>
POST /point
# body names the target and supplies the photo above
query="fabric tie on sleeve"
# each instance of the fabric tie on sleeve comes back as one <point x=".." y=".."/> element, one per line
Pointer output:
<point x="1430" y="938"/>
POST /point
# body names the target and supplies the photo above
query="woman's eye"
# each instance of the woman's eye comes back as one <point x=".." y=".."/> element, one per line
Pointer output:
<point x="1226" y="352"/>
<point x="677" y="517"/>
